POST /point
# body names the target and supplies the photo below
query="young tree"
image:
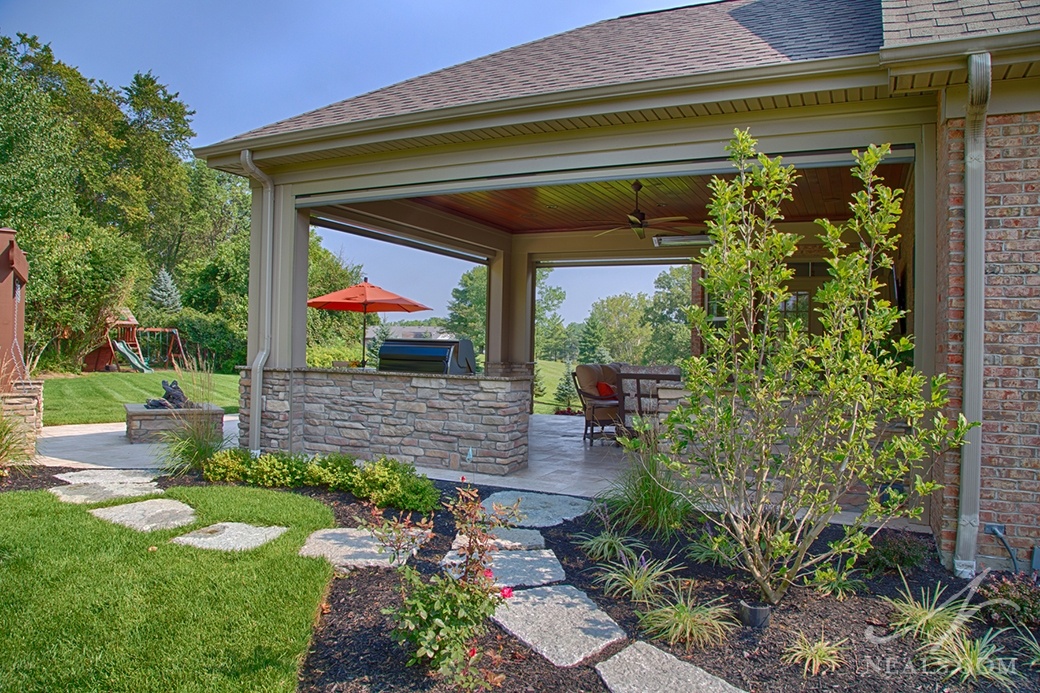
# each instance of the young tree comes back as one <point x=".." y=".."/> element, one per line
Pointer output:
<point x="780" y="423"/>
<point x="164" y="293"/>
<point x="566" y="394"/>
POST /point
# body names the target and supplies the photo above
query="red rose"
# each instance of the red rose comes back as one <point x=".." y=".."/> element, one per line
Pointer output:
<point x="506" y="592"/>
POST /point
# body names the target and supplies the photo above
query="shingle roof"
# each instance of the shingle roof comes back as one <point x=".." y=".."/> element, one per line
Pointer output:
<point x="919" y="21"/>
<point x="684" y="41"/>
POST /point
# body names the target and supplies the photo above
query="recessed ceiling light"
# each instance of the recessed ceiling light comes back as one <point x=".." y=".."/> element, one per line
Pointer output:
<point x="550" y="206"/>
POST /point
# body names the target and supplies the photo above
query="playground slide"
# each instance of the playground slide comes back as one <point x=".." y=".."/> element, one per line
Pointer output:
<point x="130" y="356"/>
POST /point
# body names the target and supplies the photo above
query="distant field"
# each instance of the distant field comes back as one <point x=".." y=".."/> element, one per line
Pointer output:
<point x="99" y="397"/>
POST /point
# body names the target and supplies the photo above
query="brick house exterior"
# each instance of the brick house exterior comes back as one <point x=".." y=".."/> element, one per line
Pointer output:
<point x="494" y="160"/>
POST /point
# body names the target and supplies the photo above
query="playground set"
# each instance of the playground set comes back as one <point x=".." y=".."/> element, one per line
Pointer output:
<point x="141" y="347"/>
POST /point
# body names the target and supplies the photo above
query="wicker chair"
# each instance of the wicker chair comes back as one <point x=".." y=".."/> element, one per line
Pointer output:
<point x="602" y="399"/>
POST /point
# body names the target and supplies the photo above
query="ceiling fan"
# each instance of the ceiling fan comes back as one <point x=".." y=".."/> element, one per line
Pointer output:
<point x="637" y="220"/>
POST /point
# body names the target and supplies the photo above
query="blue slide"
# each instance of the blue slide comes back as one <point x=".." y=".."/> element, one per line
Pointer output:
<point x="130" y="356"/>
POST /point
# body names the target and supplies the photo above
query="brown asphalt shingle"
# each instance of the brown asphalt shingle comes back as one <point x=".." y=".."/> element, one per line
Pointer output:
<point x="684" y="41"/>
<point x="918" y="21"/>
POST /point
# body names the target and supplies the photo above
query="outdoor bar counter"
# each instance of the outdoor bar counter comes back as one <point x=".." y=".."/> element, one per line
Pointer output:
<point x="472" y="423"/>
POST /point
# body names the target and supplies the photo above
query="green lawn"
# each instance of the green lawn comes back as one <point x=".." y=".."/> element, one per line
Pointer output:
<point x="86" y="606"/>
<point x="551" y="372"/>
<point x="99" y="397"/>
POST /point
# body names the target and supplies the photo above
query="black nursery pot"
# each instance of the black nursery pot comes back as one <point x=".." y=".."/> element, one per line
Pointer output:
<point x="754" y="615"/>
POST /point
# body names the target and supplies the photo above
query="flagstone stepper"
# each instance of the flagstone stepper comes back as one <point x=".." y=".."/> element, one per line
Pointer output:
<point x="347" y="548"/>
<point x="148" y="515"/>
<point x="230" y="536"/>
<point x="559" y="622"/>
<point x="643" y="668"/>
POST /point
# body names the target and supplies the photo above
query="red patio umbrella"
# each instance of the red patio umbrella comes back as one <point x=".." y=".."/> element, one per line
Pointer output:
<point x="366" y="298"/>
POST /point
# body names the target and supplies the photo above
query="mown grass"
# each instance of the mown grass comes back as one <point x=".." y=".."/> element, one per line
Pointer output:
<point x="86" y="606"/>
<point x="551" y="372"/>
<point x="99" y="397"/>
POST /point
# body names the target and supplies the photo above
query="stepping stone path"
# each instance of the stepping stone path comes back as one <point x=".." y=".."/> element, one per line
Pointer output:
<point x="230" y="536"/>
<point x="100" y="485"/>
<point x="148" y="515"/>
<point x="642" y="668"/>
<point x="560" y="623"/>
<point x="517" y="568"/>
<point x="348" y="548"/>
<point x="540" y="509"/>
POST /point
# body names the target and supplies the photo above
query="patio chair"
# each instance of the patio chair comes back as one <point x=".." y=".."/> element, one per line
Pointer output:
<point x="602" y="399"/>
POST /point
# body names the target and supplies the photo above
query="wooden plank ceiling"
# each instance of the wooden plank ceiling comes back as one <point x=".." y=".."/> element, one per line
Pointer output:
<point x="820" y="192"/>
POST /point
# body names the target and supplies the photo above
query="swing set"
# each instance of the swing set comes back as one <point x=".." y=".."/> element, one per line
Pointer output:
<point x="141" y="347"/>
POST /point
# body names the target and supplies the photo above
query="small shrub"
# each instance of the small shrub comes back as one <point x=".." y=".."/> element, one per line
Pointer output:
<point x="1012" y="598"/>
<point x="929" y="620"/>
<point x="13" y="445"/>
<point x="441" y="618"/>
<point x="608" y="546"/>
<point x="836" y="583"/>
<point x="644" y="494"/>
<point x="969" y="658"/>
<point x="336" y="471"/>
<point x="815" y="655"/>
<point x="192" y="443"/>
<point x="893" y="551"/>
<point x="637" y="579"/>
<point x="390" y="483"/>
<point x="227" y="465"/>
<point x="277" y="470"/>
<point x="681" y="620"/>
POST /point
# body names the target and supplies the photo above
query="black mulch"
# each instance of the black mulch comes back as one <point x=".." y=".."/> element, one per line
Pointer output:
<point x="33" y="478"/>
<point x="352" y="650"/>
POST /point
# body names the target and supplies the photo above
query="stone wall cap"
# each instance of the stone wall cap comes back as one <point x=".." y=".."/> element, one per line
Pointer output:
<point x="367" y="373"/>
<point x="141" y="409"/>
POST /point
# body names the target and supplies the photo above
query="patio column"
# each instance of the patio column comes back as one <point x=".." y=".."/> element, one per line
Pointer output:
<point x="289" y="283"/>
<point x="510" y="338"/>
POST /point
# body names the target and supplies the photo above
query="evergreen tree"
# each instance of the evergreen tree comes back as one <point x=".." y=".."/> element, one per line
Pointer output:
<point x="590" y="346"/>
<point x="539" y="383"/>
<point x="565" y="392"/>
<point x="379" y="335"/>
<point x="164" y="293"/>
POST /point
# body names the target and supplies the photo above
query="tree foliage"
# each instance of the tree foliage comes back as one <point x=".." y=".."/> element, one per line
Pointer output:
<point x="623" y="326"/>
<point x="780" y="423"/>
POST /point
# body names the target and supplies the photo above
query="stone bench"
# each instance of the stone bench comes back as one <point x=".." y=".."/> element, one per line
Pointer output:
<point x="145" y="425"/>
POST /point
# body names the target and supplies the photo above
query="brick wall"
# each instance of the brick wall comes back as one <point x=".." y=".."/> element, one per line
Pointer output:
<point x="468" y="423"/>
<point x="1011" y="401"/>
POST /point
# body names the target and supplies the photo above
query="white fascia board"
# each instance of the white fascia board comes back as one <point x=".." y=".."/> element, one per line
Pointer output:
<point x="806" y="76"/>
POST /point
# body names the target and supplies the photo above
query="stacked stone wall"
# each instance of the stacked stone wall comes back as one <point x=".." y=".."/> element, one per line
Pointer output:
<point x="466" y="423"/>
<point x="24" y="405"/>
<point x="1010" y="489"/>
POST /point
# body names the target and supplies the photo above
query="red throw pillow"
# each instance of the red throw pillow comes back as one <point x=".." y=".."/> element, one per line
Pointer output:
<point x="606" y="389"/>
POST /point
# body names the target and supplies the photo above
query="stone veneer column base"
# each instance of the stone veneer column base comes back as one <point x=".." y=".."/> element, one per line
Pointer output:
<point x="24" y="404"/>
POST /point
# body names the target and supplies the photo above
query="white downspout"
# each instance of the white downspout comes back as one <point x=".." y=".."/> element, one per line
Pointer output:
<point x="979" y="84"/>
<point x="267" y="240"/>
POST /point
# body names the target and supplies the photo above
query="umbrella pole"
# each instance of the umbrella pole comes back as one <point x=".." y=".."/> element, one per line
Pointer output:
<point x="364" y="329"/>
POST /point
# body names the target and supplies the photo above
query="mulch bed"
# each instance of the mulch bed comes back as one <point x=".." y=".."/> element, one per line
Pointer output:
<point x="352" y="650"/>
<point x="33" y="478"/>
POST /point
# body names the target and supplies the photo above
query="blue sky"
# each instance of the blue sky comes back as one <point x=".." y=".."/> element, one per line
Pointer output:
<point x="240" y="65"/>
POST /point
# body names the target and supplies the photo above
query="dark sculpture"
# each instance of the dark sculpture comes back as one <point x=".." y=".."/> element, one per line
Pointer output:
<point x="173" y="399"/>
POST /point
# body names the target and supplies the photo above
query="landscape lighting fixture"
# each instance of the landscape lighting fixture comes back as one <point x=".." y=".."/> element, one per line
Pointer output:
<point x="691" y="241"/>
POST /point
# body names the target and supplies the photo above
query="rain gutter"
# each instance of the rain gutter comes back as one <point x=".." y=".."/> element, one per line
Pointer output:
<point x="979" y="86"/>
<point x="267" y="300"/>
